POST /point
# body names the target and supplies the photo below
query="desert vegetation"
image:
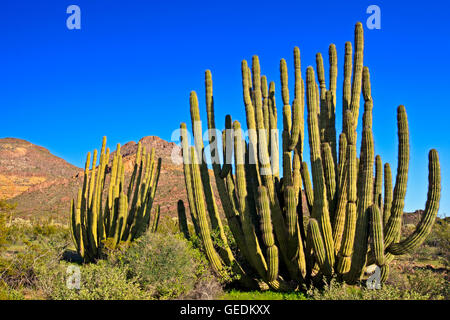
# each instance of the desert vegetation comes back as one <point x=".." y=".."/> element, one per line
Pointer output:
<point x="250" y="230"/>
<point x="35" y="256"/>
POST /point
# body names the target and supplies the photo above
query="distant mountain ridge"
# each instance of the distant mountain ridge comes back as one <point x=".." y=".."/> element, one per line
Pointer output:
<point x="24" y="165"/>
<point x="50" y="194"/>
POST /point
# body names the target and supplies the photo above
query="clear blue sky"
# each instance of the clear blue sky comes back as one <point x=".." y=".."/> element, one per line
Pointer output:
<point x="129" y="70"/>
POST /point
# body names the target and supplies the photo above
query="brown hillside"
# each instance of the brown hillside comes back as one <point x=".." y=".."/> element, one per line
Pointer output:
<point x="52" y="198"/>
<point x="24" y="165"/>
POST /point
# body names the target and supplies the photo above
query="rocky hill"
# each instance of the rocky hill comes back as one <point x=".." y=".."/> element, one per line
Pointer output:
<point x="51" y="197"/>
<point x="24" y="165"/>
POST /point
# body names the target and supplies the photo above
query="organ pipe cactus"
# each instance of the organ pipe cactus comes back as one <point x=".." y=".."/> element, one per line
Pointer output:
<point x="352" y="224"/>
<point x="111" y="212"/>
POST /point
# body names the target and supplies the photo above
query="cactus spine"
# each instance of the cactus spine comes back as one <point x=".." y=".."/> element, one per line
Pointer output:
<point x="350" y="226"/>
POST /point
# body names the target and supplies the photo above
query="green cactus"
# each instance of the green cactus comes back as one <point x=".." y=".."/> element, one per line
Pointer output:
<point x="122" y="217"/>
<point x="351" y="226"/>
<point x="376" y="233"/>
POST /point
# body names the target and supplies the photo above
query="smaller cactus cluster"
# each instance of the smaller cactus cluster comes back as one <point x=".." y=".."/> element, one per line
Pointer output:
<point x="111" y="213"/>
<point x="350" y="227"/>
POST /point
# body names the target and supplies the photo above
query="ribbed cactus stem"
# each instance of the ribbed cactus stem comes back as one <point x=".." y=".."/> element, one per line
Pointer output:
<point x="319" y="247"/>
<point x="358" y="70"/>
<point x="387" y="193"/>
<point x="425" y="225"/>
<point x="339" y="216"/>
<point x="307" y="185"/>
<point x="378" y="188"/>
<point x="342" y="159"/>
<point x="251" y="240"/>
<point x="393" y="227"/>
<point x="321" y="76"/>
<point x="376" y="233"/>
<point x="263" y="206"/>
<point x="347" y="86"/>
<point x="188" y="174"/>
<point x="332" y="56"/>
<point x="203" y="225"/>
<point x="365" y="185"/>
<point x="320" y="205"/>
<point x="297" y="105"/>
<point x="291" y="219"/>
<point x="329" y="175"/>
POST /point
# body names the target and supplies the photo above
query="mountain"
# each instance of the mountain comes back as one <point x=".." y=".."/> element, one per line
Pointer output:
<point x="24" y="165"/>
<point x="50" y="197"/>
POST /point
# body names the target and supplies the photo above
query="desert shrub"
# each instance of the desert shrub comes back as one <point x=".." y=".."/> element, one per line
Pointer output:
<point x="429" y="282"/>
<point x="8" y="293"/>
<point x="207" y="287"/>
<point x="5" y="212"/>
<point x="100" y="281"/>
<point x="32" y="250"/>
<point x="165" y="265"/>
<point x="20" y="232"/>
<point x="439" y="238"/>
<point x="339" y="291"/>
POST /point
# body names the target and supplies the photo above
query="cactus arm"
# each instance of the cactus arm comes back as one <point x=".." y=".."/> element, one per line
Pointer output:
<point x="320" y="205"/>
<point x="387" y="193"/>
<point x="297" y="108"/>
<point x="156" y="217"/>
<point x="332" y="57"/>
<point x="321" y="77"/>
<point x="319" y="247"/>
<point x="256" y="257"/>
<point x="266" y="113"/>
<point x="347" y="91"/>
<point x="263" y="206"/>
<point x="365" y="185"/>
<point x="203" y="225"/>
<point x="358" y="71"/>
<point x="188" y="176"/>
<point x="329" y="175"/>
<point x="425" y="225"/>
<point x="378" y="187"/>
<point x="339" y="217"/>
<point x="376" y="233"/>
<point x="251" y="122"/>
<point x="308" y="186"/>
<point x="393" y="228"/>
<point x="346" y="250"/>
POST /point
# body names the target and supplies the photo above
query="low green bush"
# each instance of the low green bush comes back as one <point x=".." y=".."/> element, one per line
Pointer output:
<point x="8" y="293"/>
<point x="165" y="265"/>
<point x="100" y="281"/>
<point x="429" y="282"/>
<point x="339" y="291"/>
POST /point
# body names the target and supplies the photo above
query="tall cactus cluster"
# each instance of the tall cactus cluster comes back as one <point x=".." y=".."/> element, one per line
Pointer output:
<point x="353" y="224"/>
<point x="111" y="213"/>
